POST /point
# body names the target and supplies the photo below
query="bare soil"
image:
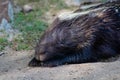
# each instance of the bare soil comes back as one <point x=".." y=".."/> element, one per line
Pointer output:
<point x="13" y="66"/>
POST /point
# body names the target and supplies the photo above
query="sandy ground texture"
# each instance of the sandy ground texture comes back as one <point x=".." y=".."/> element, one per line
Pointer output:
<point x="13" y="66"/>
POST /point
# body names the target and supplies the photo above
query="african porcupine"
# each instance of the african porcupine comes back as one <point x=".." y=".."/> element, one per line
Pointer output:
<point x="90" y="37"/>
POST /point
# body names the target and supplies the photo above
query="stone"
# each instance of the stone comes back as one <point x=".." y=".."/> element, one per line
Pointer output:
<point x="6" y="10"/>
<point x="6" y="19"/>
<point x="27" y="8"/>
<point x="10" y="11"/>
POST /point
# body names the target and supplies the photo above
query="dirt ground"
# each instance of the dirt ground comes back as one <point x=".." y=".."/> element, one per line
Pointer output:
<point x="13" y="66"/>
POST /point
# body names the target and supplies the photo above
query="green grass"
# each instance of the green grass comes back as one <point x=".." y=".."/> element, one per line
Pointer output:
<point x="31" y="30"/>
<point x="3" y="43"/>
<point x="43" y="4"/>
<point x="32" y="25"/>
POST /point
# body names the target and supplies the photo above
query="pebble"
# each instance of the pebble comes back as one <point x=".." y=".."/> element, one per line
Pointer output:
<point x="27" y="8"/>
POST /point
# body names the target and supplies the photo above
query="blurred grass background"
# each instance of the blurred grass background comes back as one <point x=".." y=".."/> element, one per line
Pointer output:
<point x="32" y="24"/>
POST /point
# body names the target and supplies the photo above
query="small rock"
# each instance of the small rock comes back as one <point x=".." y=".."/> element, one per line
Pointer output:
<point x="10" y="11"/>
<point x="27" y="8"/>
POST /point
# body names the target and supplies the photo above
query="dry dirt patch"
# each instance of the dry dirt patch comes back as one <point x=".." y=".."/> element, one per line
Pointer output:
<point x="13" y="66"/>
